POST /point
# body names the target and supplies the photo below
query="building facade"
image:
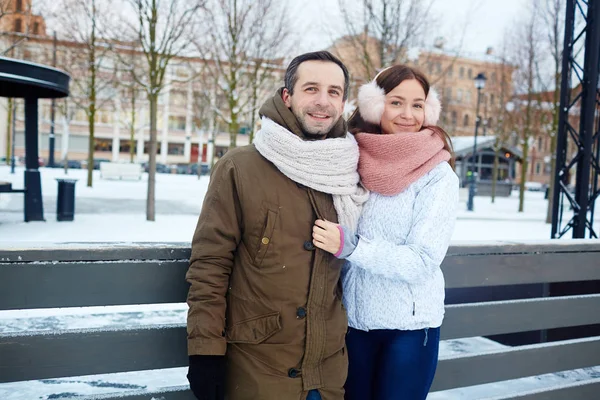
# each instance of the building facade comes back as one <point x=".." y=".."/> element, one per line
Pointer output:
<point x="191" y="114"/>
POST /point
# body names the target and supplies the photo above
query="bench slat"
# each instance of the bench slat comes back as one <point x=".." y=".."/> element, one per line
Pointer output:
<point x="517" y="362"/>
<point x="48" y="285"/>
<point x="498" y="270"/>
<point x="584" y="390"/>
<point x="494" y="318"/>
<point x="90" y="352"/>
<point x="176" y="393"/>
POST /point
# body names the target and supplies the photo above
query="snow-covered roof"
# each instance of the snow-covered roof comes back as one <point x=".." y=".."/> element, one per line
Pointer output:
<point x="464" y="144"/>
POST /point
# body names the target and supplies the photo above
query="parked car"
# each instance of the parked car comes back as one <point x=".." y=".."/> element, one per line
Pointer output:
<point x="204" y="169"/>
<point x="73" y="164"/>
<point x="534" y="186"/>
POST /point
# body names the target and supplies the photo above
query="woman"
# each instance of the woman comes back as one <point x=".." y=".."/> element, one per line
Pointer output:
<point x="392" y="282"/>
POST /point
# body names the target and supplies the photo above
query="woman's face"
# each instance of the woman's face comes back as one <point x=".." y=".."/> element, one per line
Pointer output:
<point x="404" y="108"/>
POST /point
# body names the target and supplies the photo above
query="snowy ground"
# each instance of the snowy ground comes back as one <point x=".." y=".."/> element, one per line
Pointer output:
<point x="115" y="211"/>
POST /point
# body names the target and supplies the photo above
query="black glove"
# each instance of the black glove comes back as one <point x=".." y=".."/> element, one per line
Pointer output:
<point x="207" y="377"/>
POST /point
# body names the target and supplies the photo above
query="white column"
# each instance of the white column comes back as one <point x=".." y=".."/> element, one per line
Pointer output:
<point x="164" y="143"/>
<point x="116" y="142"/>
<point x="4" y="123"/>
<point x="64" y="140"/>
<point x="141" y="135"/>
<point x="187" y="148"/>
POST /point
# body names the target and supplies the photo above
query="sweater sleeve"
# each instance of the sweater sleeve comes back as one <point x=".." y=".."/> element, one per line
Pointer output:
<point x="426" y="245"/>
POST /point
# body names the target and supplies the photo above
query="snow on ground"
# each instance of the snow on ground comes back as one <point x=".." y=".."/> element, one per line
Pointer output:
<point x="115" y="211"/>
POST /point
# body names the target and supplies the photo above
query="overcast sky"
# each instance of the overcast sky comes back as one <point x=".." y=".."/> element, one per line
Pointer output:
<point x="485" y="22"/>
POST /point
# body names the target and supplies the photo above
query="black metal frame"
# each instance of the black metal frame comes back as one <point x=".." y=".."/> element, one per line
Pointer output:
<point x="585" y="140"/>
<point x="21" y="79"/>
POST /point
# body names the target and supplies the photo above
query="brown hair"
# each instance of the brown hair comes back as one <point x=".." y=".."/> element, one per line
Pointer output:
<point x="388" y="79"/>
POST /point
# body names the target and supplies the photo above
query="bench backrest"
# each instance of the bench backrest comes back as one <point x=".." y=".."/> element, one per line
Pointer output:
<point x="120" y="274"/>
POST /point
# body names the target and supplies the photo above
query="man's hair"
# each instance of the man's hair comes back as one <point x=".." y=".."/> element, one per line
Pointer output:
<point x="291" y="74"/>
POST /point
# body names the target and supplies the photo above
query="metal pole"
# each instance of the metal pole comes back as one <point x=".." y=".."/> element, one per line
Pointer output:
<point x="13" y="134"/>
<point x="588" y="109"/>
<point x="472" y="186"/>
<point x="563" y="117"/>
<point x="34" y="209"/>
<point x="52" y="114"/>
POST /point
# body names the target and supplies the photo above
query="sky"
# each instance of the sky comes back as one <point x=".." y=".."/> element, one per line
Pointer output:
<point x="485" y="22"/>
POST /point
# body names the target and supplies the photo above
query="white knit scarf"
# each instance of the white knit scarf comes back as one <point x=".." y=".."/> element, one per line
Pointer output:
<point x="328" y="165"/>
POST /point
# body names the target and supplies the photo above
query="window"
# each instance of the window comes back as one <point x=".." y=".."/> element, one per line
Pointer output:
<point x="177" y="123"/>
<point x="178" y="98"/>
<point x="444" y="118"/>
<point x="470" y="73"/>
<point x="540" y="143"/>
<point x="459" y="95"/>
<point x="36" y="28"/>
<point x="491" y="100"/>
<point x="19" y="5"/>
<point x="461" y="72"/>
<point x="439" y="67"/>
<point x="175" y="149"/>
<point x="103" y="117"/>
<point x="494" y="77"/>
<point x="450" y="71"/>
<point x="102" y="144"/>
<point x="182" y="72"/>
<point x="18" y="25"/>
<point x="538" y="168"/>
<point x="126" y="145"/>
<point x="147" y="147"/>
<point x="454" y="118"/>
<point x="448" y="95"/>
<point x="466" y="120"/>
<point x="467" y="97"/>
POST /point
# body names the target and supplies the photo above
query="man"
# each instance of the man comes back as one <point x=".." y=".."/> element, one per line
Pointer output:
<point x="266" y="319"/>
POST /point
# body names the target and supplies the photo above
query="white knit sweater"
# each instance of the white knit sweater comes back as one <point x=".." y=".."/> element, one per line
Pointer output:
<point x="392" y="279"/>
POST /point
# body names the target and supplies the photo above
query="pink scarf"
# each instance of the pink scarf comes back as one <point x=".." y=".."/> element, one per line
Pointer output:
<point x="388" y="164"/>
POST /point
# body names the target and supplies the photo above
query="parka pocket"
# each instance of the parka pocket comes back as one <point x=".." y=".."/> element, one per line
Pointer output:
<point x="254" y="330"/>
<point x="266" y="238"/>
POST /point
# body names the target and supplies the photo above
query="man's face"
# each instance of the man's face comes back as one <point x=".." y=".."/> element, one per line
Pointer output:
<point x="318" y="99"/>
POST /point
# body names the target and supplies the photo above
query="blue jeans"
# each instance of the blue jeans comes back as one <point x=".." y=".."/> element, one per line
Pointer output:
<point x="313" y="395"/>
<point x="391" y="364"/>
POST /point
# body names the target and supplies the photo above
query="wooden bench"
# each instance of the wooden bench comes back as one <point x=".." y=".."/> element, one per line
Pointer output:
<point x="6" y="187"/>
<point x="73" y="275"/>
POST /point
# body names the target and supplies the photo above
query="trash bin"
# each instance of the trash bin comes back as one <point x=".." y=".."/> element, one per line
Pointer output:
<point x="65" y="203"/>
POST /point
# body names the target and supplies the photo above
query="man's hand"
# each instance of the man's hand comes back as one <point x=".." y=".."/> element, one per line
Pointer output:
<point x="326" y="236"/>
<point x="207" y="377"/>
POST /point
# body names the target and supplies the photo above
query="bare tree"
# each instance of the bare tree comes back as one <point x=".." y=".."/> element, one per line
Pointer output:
<point x="163" y="32"/>
<point x="132" y="92"/>
<point x="500" y="111"/>
<point x="379" y="32"/>
<point x="243" y="37"/>
<point x="91" y="65"/>
<point x="553" y="15"/>
<point x="526" y="57"/>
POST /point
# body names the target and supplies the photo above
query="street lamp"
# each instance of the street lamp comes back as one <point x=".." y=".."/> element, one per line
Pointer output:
<point x="479" y="84"/>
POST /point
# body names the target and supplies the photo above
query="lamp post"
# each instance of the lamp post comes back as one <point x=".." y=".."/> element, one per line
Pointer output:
<point x="479" y="84"/>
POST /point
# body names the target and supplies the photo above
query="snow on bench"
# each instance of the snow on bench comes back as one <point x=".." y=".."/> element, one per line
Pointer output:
<point x="113" y="170"/>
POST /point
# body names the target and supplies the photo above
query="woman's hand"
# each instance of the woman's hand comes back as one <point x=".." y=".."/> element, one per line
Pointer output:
<point x="326" y="236"/>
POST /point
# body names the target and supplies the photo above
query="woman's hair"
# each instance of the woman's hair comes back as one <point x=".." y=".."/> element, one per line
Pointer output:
<point x="388" y="79"/>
